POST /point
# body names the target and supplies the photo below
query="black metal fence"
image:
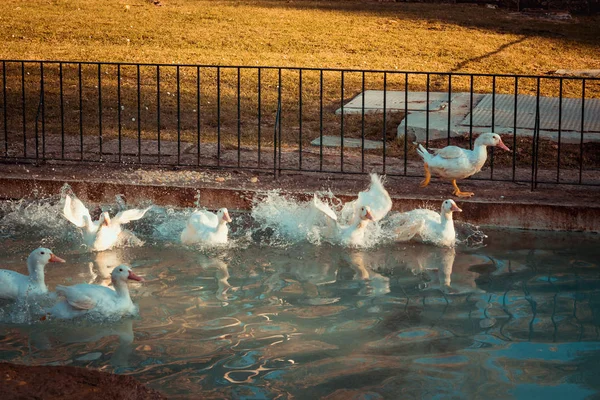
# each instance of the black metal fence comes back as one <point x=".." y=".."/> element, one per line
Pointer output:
<point x="297" y="119"/>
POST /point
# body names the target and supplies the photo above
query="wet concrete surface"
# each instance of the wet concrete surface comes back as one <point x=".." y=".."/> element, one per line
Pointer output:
<point x="503" y="204"/>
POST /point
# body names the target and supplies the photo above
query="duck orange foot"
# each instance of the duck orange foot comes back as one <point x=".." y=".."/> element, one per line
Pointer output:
<point x="457" y="191"/>
<point x="425" y="181"/>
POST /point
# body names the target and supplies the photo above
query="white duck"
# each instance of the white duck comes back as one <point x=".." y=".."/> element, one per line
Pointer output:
<point x="428" y="226"/>
<point x="376" y="197"/>
<point x="97" y="300"/>
<point x="347" y="235"/>
<point x="104" y="233"/>
<point x="371" y="205"/>
<point x="454" y="163"/>
<point x="14" y="285"/>
<point x="206" y="227"/>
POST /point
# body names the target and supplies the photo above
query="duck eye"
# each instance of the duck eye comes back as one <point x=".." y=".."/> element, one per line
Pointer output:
<point x="42" y="253"/>
<point x="120" y="269"/>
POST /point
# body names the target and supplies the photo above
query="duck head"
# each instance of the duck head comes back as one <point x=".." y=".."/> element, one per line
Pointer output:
<point x="104" y="219"/>
<point x="223" y="215"/>
<point x="449" y="206"/>
<point x="492" y="140"/>
<point x="365" y="214"/>
<point x="42" y="256"/>
<point x="122" y="273"/>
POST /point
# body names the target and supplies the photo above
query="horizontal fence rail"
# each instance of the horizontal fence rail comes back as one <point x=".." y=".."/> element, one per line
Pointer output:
<point x="321" y="120"/>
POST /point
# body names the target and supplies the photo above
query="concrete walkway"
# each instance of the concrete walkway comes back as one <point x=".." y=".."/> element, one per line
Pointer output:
<point x="431" y="114"/>
<point x="495" y="203"/>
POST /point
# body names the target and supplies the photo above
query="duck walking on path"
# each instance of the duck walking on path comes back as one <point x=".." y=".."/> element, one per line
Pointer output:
<point x="454" y="163"/>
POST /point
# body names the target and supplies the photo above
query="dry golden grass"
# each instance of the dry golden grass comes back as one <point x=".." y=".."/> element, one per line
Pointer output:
<point x="348" y="34"/>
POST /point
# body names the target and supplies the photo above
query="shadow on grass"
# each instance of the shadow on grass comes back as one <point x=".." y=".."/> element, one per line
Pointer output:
<point x="584" y="30"/>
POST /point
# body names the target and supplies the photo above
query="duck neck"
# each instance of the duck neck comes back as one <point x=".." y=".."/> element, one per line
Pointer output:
<point x="36" y="275"/>
<point x="479" y="152"/>
<point x="221" y="226"/>
<point x="446" y="219"/>
<point x="361" y="224"/>
<point x="122" y="289"/>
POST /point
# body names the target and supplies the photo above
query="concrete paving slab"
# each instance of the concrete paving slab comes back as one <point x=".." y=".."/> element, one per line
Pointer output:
<point x="437" y="124"/>
<point x="394" y="101"/>
<point x="335" y="141"/>
<point x="503" y="110"/>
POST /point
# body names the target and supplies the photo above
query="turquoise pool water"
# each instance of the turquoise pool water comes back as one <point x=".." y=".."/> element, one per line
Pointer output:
<point x="262" y="318"/>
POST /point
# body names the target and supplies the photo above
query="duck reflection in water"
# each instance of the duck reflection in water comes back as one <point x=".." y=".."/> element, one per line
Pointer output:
<point x="50" y="336"/>
<point x="102" y="265"/>
<point x="441" y="268"/>
<point x="375" y="284"/>
<point x="219" y="269"/>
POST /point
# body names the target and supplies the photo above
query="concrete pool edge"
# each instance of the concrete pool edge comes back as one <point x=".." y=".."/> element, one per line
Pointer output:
<point x="553" y="208"/>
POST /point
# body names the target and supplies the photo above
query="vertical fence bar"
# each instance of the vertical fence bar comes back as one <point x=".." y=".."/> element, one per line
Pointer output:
<point x="239" y="117"/>
<point x="139" y="114"/>
<point x="5" y="112"/>
<point x="515" y="110"/>
<point x="321" y="120"/>
<point x="23" y="105"/>
<point x="43" y="100"/>
<point x="62" y="112"/>
<point x="40" y="104"/>
<point x="158" y="110"/>
<point x="362" y="127"/>
<point x="471" y="114"/>
<point x="119" y="109"/>
<point x="100" y="108"/>
<point x="449" y="104"/>
<point x="582" y="129"/>
<point x="560" y="104"/>
<point x="80" y="113"/>
<point x="405" y="122"/>
<point x="218" y="116"/>
<point x="535" y="136"/>
<point x="280" y="118"/>
<point x="427" y="114"/>
<point x="342" y="123"/>
<point x="384" y="118"/>
<point x="276" y="124"/>
<point x="259" y="88"/>
<point x="300" y="118"/>
<point x="493" y="125"/>
<point x="198" y="116"/>
<point x="178" y="76"/>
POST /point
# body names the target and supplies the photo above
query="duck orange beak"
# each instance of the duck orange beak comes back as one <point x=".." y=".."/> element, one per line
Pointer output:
<point x="226" y="217"/>
<point x="134" y="277"/>
<point x="369" y="216"/>
<point x="54" y="258"/>
<point x="502" y="145"/>
<point x="455" y="208"/>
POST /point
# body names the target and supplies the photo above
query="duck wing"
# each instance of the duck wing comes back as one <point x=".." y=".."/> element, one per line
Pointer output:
<point x="407" y="225"/>
<point x="124" y="217"/>
<point x="78" y="296"/>
<point x="202" y="218"/>
<point x="76" y="212"/>
<point x="324" y="208"/>
<point x="450" y="152"/>
<point x="376" y="197"/>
